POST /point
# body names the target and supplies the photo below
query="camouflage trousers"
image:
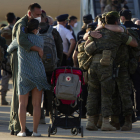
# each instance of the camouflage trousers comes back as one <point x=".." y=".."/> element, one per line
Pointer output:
<point x="122" y="93"/>
<point x="14" y="120"/>
<point x="100" y="90"/>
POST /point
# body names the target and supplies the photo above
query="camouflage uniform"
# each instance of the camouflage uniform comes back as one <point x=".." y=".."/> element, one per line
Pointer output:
<point x="123" y="84"/>
<point x="101" y="84"/>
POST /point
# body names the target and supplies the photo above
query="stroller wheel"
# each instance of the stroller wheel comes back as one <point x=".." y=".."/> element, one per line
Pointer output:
<point x="49" y="130"/>
<point x="74" y="131"/>
<point x="82" y="131"/>
<point x="54" y="131"/>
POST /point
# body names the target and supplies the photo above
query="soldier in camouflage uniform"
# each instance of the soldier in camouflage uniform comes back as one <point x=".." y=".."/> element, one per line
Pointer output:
<point x="101" y="85"/>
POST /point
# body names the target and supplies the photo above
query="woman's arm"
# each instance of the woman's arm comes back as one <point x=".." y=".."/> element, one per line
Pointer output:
<point x="12" y="46"/>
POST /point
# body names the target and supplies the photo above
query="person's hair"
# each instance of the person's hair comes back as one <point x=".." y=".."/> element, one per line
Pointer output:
<point x="84" y="27"/>
<point x="32" y="25"/>
<point x="68" y="27"/>
<point x="18" y="18"/>
<point x="110" y="19"/>
<point x="96" y="19"/>
<point x="2" y="25"/>
<point x="43" y="15"/>
<point x="10" y="17"/>
<point x="128" y="17"/>
<point x="72" y="18"/>
<point x="34" y="5"/>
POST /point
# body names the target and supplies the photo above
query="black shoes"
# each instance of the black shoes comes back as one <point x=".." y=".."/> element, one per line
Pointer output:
<point x="14" y="132"/>
<point x="28" y="132"/>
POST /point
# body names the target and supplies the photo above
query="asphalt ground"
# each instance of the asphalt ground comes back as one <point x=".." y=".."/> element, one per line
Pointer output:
<point x="62" y="134"/>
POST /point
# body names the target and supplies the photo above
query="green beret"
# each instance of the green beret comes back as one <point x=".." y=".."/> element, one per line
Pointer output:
<point x="104" y="14"/>
<point x="113" y="13"/>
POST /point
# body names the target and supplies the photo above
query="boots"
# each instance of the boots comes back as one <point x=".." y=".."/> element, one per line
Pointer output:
<point x="115" y="122"/>
<point x="3" y="100"/>
<point x="128" y="123"/>
<point x="106" y="126"/>
<point x="96" y="118"/>
<point x="90" y="124"/>
<point x="99" y="124"/>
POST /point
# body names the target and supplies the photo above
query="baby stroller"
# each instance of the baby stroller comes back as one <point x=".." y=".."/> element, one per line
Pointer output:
<point x="67" y="112"/>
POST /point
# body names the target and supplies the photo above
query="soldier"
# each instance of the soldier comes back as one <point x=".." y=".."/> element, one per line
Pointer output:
<point x="34" y="11"/>
<point x="6" y="32"/>
<point x="101" y="71"/>
<point x="125" y="18"/>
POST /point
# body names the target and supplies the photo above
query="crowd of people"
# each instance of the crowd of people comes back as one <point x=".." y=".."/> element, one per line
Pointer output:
<point x="106" y="49"/>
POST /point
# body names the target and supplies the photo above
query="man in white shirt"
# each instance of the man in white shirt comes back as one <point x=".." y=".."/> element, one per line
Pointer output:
<point x="66" y="37"/>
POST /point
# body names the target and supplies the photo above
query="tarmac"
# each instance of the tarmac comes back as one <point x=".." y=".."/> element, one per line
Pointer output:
<point x="62" y="134"/>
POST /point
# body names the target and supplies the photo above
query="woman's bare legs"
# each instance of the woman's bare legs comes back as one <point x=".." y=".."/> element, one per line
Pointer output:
<point x="36" y="101"/>
<point x="23" y="101"/>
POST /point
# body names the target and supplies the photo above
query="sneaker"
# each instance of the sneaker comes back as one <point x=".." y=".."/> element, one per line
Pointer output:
<point x="20" y="134"/>
<point x="36" y="134"/>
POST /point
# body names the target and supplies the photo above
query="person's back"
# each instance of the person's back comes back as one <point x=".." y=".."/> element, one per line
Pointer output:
<point x="110" y="41"/>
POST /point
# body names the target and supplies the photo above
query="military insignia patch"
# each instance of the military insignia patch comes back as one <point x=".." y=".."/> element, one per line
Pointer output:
<point x="23" y="29"/>
<point x="68" y="78"/>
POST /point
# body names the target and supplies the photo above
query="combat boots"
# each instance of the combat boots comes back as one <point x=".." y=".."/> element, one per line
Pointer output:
<point x="99" y="124"/>
<point x="90" y="124"/>
<point x="128" y="123"/>
<point x="3" y="100"/>
<point x="115" y="122"/>
<point x="106" y="126"/>
<point x="96" y="118"/>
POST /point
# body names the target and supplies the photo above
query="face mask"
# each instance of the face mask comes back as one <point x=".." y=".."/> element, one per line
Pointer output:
<point x="38" y="18"/>
<point x="75" y="24"/>
<point x="115" y="2"/>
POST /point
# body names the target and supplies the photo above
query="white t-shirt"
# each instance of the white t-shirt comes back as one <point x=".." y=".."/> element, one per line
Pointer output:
<point x="65" y="35"/>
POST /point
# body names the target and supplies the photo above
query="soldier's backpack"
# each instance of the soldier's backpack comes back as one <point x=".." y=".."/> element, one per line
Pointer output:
<point x="68" y="86"/>
<point x="50" y="54"/>
<point x="84" y="59"/>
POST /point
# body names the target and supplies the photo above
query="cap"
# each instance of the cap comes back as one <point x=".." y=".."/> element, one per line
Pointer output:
<point x="92" y="25"/>
<point x="126" y="13"/>
<point x="62" y="17"/>
<point x="87" y="18"/>
<point x="113" y="13"/>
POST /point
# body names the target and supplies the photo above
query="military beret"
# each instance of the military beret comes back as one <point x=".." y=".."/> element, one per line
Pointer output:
<point x="92" y="25"/>
<point x="113" y="13"/>
<point x="87" y="18"/>
<point x="62" y="17"/>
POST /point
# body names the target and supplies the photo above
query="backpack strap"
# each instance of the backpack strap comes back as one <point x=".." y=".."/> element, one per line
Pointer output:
<point x="50" y="29"/>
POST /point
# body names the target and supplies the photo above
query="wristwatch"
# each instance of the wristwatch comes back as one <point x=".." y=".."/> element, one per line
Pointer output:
<point x="89" y="33"/>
